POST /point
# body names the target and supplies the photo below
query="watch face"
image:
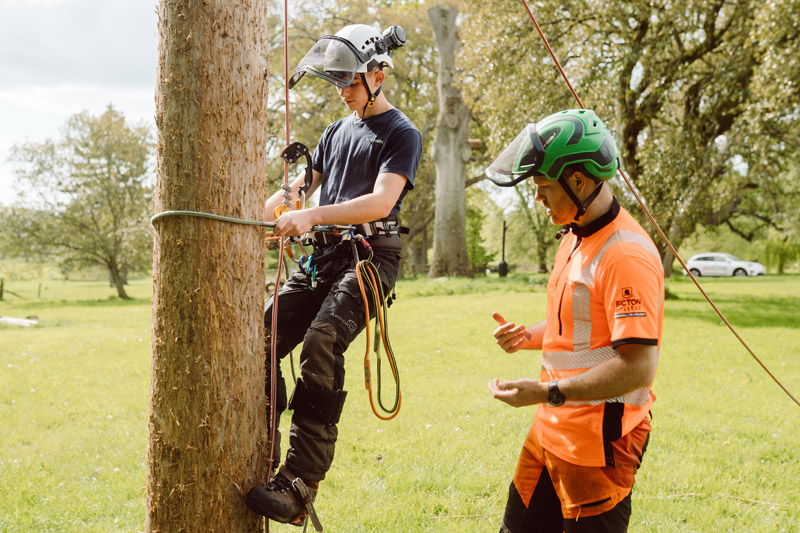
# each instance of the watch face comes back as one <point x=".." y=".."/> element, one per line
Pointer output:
<point x="555" y="398"/>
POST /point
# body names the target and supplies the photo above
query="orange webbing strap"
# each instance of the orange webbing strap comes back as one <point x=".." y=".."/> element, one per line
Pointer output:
<point x="366" y="269"/>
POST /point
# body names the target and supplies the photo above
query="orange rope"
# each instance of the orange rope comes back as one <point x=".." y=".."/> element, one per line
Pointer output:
<point x="367" y="369"/>
<point x="658" y="228"/>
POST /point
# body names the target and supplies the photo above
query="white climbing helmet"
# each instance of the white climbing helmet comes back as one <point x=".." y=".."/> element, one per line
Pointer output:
<point x="354" y="48"/>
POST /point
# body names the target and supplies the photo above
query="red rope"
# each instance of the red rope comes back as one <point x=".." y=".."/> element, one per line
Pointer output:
<point x="273" y="337"/>
<point x="552" y="54"/>
<point x="653" y="221"/>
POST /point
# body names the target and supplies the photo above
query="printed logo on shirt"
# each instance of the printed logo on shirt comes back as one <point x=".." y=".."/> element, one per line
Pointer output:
<point x="627" y="292"/>
<point x="375" y="140"/>
<point x="628" y="305"/>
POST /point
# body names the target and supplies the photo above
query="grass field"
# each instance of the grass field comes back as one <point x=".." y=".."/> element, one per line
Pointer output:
<point x="724" y="453"/>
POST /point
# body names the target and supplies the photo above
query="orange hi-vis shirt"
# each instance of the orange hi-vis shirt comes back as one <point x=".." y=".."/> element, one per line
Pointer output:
<point x="606" y="290"/>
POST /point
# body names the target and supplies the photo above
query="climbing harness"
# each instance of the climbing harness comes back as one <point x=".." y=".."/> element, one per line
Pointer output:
<point x="326" y="245"/>
<point x="653" y="220"/>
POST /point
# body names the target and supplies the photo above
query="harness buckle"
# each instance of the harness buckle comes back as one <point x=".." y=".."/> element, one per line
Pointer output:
<point x="384" y="227"/>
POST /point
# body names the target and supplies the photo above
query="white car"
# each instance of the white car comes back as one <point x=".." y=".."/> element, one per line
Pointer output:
<point x="716" y="264"/>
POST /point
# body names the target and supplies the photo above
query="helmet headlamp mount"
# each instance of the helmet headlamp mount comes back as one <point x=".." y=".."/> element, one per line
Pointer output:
<point x="393" y="37"/>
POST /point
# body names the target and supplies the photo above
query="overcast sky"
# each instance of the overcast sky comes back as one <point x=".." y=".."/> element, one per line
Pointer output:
<point x="60" y="57"/>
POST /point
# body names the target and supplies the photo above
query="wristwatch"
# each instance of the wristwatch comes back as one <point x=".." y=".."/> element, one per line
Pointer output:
<point x="554" y="397"/>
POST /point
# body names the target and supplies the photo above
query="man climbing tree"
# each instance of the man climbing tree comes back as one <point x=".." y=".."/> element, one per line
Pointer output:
<point x="364" y="165"/>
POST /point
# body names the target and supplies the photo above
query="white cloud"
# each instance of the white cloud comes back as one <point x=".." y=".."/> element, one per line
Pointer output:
<point x="60" y="57"/>
<point x="65" y="100"/>
<point x="97" y="42"/>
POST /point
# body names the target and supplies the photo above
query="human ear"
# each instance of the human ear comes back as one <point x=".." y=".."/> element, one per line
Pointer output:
<point x="579" y="180"/>
<point x="379" y="76"/>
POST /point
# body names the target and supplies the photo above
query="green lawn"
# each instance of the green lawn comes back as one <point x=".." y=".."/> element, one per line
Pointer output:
<point x="724" y="454"/>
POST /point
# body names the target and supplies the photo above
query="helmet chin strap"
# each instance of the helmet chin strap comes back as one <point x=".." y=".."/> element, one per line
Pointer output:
<point x="370" y="95"/>
<point x="581" y="206"/>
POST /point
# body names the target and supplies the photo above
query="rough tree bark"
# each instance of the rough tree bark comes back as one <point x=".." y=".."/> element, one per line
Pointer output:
<point x="450" y="153"/>
<point x="207" y="423"/>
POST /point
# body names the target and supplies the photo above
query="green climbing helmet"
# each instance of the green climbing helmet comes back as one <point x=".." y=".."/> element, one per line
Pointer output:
<point x="564" y="138"/>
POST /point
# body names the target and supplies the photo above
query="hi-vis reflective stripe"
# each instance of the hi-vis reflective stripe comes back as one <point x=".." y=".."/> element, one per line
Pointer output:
<point x="578" y="359"/>
<point x="637" y="397"/>
<point x="581" y="318"/>
<point x="581" y="301"/>
<point x="584" y="359"/>
<point x="587" y="273"/>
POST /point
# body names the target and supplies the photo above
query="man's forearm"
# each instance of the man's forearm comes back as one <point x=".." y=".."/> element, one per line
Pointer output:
<point x="632" y="368"/>
<point x="534" y="336"/>
<point x="356" y="211"/>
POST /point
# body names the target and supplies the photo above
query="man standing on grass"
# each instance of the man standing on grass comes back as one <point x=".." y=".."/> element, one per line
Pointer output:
<point x="364" y="165"/>
<point x="600" y="337"/>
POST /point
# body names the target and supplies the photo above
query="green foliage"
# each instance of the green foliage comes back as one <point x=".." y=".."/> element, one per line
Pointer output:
<point x="479" y="257"/>
<point x="703" y="96"/>
<point x="87" y="197"/>
<point x="74" y="395"/>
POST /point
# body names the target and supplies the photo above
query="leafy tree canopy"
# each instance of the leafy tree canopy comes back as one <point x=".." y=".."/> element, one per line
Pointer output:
<point x="703" y="96"/>
<point x="86" y="198"/>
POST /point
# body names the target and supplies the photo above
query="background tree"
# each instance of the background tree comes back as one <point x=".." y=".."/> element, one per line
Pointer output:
<point x="207" y="422"/>
<point x="85" y="199"/>
<point x="450" y="153"/>
<point x="479" y="209"/>
<point x="539" y="236"/>
<point x="684" y="85"/>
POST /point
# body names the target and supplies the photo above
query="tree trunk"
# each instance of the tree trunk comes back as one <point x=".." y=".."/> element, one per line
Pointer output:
<point x="207" y="423"/>
<point x="418" y="253"/>
<point x="666" y="262"/>
<point x="450" y="153"/>
<point x="118" y="278"/>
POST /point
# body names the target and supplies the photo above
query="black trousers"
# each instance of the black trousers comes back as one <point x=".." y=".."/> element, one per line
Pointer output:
<point x="543" y="513"/>
<point x="326" y="319"/>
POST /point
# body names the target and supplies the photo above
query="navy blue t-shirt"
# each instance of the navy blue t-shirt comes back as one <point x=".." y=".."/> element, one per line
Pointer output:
<point x="352" y="152"/>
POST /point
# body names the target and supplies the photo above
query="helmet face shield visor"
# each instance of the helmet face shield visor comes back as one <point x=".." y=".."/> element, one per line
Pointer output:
<point x="520" y="159"/>
<point x="333" y="59"/>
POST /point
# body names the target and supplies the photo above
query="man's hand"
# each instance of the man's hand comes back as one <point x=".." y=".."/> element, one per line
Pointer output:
<point x="520" y="392"/>
<point x="509" y="336"/>
<point x="294" y="223"/>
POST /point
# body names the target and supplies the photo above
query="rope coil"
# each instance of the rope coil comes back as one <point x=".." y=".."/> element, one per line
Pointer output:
<point x="368" y="275"/>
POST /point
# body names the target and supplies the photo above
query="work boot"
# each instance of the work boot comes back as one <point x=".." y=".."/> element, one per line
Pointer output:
<point x="286" y="499"/>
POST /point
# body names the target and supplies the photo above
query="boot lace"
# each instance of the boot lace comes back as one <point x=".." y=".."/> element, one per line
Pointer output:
<point x="280" y="483"/>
